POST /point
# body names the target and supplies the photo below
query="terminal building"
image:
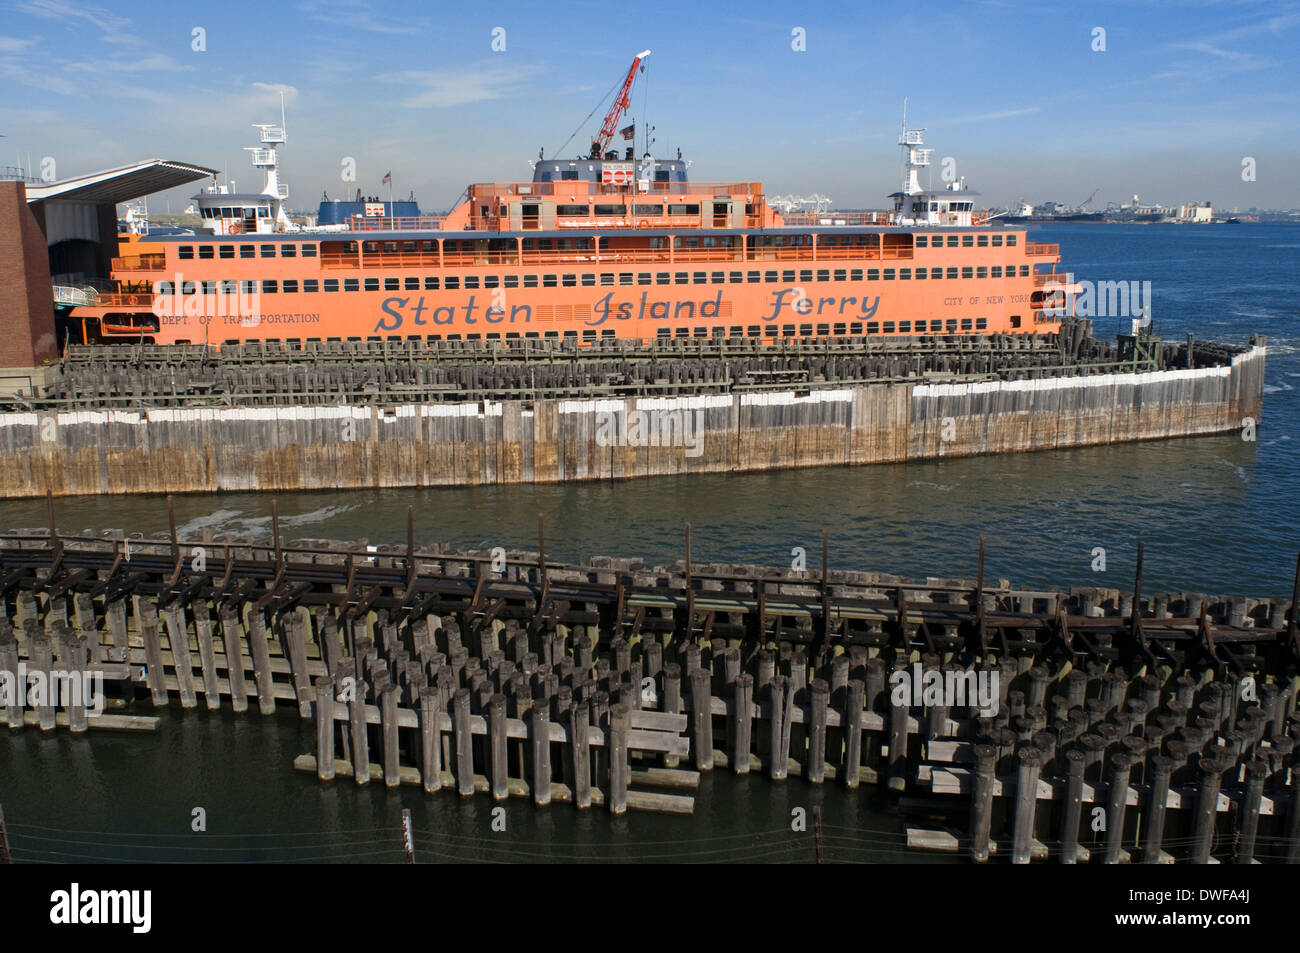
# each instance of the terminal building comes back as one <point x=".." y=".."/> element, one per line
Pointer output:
<point x="57" y="243"/>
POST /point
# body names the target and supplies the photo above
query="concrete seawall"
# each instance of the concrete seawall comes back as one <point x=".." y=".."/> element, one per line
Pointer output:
<point x="297" y="448"/>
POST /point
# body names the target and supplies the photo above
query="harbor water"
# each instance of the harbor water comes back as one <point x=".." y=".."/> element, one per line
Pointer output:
<point x="1218" y="515"/>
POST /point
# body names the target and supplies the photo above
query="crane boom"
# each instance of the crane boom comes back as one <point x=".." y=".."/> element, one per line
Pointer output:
<point x="601" y="142"/>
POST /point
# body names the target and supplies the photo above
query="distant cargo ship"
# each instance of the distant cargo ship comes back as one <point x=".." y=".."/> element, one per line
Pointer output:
<point x="593" y="247"/>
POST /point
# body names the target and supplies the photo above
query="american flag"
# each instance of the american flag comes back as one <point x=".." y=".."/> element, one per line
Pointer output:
<point x="388" y="178"/>
<point x="628" y="132"/>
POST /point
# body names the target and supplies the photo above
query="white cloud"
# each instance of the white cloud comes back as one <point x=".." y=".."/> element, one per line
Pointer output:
<point x="13" y="44"/>
<point x="439" y="89"/>
<point x="358" y="15"/>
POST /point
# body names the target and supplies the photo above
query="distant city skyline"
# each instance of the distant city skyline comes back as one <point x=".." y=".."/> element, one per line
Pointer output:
<point x="1171" y="102"/>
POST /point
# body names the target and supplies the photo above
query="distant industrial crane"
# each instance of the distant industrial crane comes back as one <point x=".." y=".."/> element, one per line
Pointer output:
<point x="610" y="126"/>
<point x="1088" y="201"/>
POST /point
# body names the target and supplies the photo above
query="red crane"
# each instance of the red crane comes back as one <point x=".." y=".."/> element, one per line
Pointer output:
<point x="601" y="142"/>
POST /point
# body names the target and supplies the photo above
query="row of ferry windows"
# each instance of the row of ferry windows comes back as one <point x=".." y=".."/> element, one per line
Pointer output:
<point x="935" y="326"/>
<point x="290" y="250"/>
<point x="472" y="282"/>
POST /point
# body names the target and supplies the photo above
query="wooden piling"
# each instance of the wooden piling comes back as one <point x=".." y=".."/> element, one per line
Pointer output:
<point x="325" y="728"/>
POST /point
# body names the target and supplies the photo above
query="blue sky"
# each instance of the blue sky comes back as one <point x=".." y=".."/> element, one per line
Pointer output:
<point x="1013" y="91"/>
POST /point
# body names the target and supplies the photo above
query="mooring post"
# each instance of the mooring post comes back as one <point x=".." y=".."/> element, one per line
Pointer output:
<point x="981" y="806"/>
<point x="1207" y="807"/>
<point x="464" y="743"/>
<point x="357" y="721"/>
<point x="388" y="722"/>
<point x="1121" y="766"/>
<point x="431" y="738"/>
<point x="1162" y="769"/>
<point x="702" y="713"/>
<point x="819" y="697"/>
<point x="778" y="751"/>
<point x="618" y="765"/>
<point x="898" y="718"/>
<point x="1027" y="773"/>
<point x="325" y="728"/>
<point x="230" y="628"/>
<point x="1072" y="809"/>
<point x="852" y="721"/>
<point x="497" y="743"/>
<point x="541" y="732"/>
<point x="257" y="644"/>
<point x="744" y="720"/>
<point x="1256" y="771"/>
<point x="581" y="730"/>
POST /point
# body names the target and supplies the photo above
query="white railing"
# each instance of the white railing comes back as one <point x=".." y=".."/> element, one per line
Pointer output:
<point x="263" y="156"/>
<point x="273" y="134"/>
<point x="73" y="296"/>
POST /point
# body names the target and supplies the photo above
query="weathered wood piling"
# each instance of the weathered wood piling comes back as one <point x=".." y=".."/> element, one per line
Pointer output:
<point x="1098" y="724"/>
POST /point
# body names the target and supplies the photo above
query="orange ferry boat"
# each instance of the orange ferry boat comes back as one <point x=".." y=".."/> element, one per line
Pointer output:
<point x="594" y="247"/>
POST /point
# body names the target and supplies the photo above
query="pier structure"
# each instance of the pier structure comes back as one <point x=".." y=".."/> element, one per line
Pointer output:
<point x="1100" y="724"/>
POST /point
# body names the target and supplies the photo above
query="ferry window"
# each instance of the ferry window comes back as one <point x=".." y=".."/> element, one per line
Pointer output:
<point x="494" y="336"/>
<point x="692" y="209"/>
<point x="530" y="281"/>
<point x="268" y="286"/>
<point x="769" y="276"/>
<point x="606" y="278"/>
<point x="824" y="275"/>
<point x="855" y="327"/>
<point x="653" y="210"/>
<point x="663" y="278"/>
<point x="997" y="271"/>
<point x="1015" y="320"/>
<point x="411" y="284"/>
<point x="450" y="283"/>
<point x="392" y="284"/>
<point x="855" y="274"/>
<point x="965" y="324"/>
<point x="569" y="281"/>
<point x="951" y="325"/>
<point x="952" y="241"/>
<point x="205" y="251"/>
<point x="681" y="278"/>
<point x="681" y="333"/>
<point x="967" y="241"/>
<point x="510" y="281"/>
<point x="889" y="274"/>
<point x="331" y="284"/>
<point x="983" y="241"/>
<point x="718" y="277"/>
<point x="981" y="324"/>
<point x="568" y="175"/>
<point x="225" y="251"/>
<point x="247" y="251"/>
<point x="755" y="331"/>
<point x="491" y="281"/>
<point x="1011" y="240"/>
<point x="736" y="277"/>
<point x="288" y="251"/>
<point x="937" y="273"/>
<point x="753" y="277"/>
<point x="936" y="325"/>
<point x="981" y="272"/>
<point x="531" y="335"/>
<point x="806" y="275"/>
<point x="453" y="337"/>
<point x="643" y="278"/>
<point x="550" y="281"/>
<point x="841" y="274"/>
<point x="268" y="251"/>
<point x="210" y="287"/>
<point x="589" y="335"/>
<point x="626" y="278"/>
<point x="887" y="327"/>
<point x="185" y="251"/>
<point x="662" y="175"/>
<point x="664" y="333"/>
<point x="607" y="332"/>
<point x="904" y="327"/>
<point x="920" y="274"/>
<point x="952" y="272"/>
<point x="700" y="332"/>
<point x="823" y="329"/>
<point x="248" y="286"/>
<point x="308" y="251"/>
<point x="588" y="281"/>
<point x="1024" y="271"/>
<point x="967" y="272"/>
<point x="229" y="287"/>
<point x="471" y="281"/>
<point x="921" y="241"/>
<point x="839" y="330"/>
<point x="572" y="209"/>
<point x="787" y="276"/>
<point x="430" y="283"/>
<point x="610" y="209"/>
<point x="787" y="330"/>
<point x="310" y="285"/>
<point x="473" y="337"/>
<point x="997" y="241"/>
<point x="699" y="277"/>
<point x="873" y="274"/>
<point x="873" y="327"/>
<point x="905" y="274"/>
